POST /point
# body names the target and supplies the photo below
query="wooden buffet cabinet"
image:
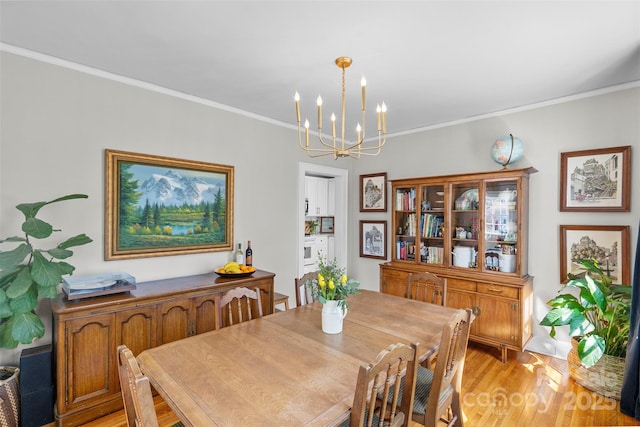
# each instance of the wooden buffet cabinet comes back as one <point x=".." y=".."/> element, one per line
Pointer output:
<point x="87" y="333"/>
<point x="472" y="230"/>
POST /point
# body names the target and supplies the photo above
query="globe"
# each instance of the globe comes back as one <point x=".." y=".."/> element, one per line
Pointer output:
<point x="507" y="150"/>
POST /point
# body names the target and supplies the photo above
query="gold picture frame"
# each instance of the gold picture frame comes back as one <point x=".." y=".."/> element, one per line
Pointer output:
<point x="194" y="214"/>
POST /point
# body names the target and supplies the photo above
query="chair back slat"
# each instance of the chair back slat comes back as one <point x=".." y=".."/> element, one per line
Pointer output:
<point x="303" y="293"/>
<point x="239" y="305"/>
<point x="447" y="378"/>
<point x="393" y="369"/>
<point x="136" y="391"/>
<point x="426" y="287"/>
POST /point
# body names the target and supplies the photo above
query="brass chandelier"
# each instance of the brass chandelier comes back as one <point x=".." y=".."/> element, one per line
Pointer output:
<point x="340" y="148"/>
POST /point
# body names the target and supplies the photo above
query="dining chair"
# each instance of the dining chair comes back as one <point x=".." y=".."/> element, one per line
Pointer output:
<point x="239" y="305"/>
<point x="437" y="393"/>
<point x="279" y="298"/>
<point x="136" y="392"/>
<point x="394" y="368"/>
<point x="426" y="287"/>
<point x="303" y="294"/>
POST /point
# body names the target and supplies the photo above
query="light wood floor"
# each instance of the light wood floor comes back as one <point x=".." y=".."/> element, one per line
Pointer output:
<point x="529" y="390"/>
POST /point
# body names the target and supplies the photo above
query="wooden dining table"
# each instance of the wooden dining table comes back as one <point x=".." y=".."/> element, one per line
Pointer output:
<point x="281" y="369"/>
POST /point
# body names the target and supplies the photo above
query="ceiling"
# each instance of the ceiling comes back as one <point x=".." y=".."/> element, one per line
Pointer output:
<point x="431" y="62"/>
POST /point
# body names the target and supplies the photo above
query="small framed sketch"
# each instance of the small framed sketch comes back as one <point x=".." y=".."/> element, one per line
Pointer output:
<point x="373" y="192"/>
<point x="373" y="239"/>
<point x="326" y="225"/>
<point x="609" y="245"/>
<point x="596" y="180"/>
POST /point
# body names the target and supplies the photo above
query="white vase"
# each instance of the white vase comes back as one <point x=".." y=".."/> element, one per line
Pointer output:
<point x="332" y="317"/>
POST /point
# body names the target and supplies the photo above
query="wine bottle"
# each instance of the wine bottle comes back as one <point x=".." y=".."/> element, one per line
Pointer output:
<point x="248" y="257"/>
<point x="240" y="254"/>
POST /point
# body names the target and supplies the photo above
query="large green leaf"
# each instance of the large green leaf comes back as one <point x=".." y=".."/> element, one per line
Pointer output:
<point x="37" y="228"/>
<point x="44" y="272"/>
<point x="27" y="327"/>
<point x="9" y="259"/>
<point x="13" y="239"/>
<point x="597" y="294"/>
<point x="48" y="291"/>
<point x="5" y="310"/>
<point x="6" y="336"/>
<point x="80" y="239"/>
<point x="580" y="326"/>
<point x="30" y="210"/>
<point x="20" y="284"/>
<point x="26" y="302"/>
<point x="560" y="316"/>
<point x="591" y="349"/>
<point x="60" y="253"/>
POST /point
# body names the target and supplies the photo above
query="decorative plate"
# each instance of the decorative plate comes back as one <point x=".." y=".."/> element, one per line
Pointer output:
<point x="243" y="274"/>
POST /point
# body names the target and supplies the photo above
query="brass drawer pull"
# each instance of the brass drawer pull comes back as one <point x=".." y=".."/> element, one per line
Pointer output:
<point x="499" y="291"/>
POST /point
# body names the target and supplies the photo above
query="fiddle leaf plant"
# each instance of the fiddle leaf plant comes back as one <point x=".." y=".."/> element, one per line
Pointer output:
<point x="598" y="317"/>
<point x="28" y="273"/>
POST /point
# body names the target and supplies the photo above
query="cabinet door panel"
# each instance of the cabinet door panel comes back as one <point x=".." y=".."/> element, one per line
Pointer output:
<point x="461" y="299"/>
<point x="394" y="282"/>
<point x="90" y="359"/>
<point x="206" y="313"/>
<point x="174" y="321"/>
<point x="136" y="329"/>
<point x="498" y="319"/>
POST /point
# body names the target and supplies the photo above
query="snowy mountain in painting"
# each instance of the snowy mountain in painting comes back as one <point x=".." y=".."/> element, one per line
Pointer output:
<point x="175" y="189"/>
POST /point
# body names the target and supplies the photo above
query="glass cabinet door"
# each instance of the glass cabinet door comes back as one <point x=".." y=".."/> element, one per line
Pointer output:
<point x="501" y="226"/>
<point x="464" y="225"/>
<point x="431" y="227"/>
<point x="405" y="224"/>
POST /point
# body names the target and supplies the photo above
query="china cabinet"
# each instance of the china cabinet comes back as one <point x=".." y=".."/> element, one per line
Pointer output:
<point x="87" y="333"/>
<point x="471" y="229"/>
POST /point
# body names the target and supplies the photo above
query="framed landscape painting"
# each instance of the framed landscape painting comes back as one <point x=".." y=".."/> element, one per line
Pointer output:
<point x="373" y="239"/>
<point x="609" y="245"/>
<point x="596" y="180"/>
<point x="159" y="206"/>
<point x="373" y="192"/>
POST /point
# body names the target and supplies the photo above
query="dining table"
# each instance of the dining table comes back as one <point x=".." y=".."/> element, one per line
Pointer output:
<point x="281" y="369"/>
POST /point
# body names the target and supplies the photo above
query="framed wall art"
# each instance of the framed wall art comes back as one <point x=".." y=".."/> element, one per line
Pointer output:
<point x="326" y="225"/>
<point x="596" y="180"/>
<point x="159" y="206"/>
<point x="373" y="239"/>
<point x="373" y="192"/>
<point x="608" y="244"/>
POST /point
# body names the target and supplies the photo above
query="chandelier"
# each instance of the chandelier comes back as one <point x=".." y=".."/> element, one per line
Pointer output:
<point x="340" y="148"/>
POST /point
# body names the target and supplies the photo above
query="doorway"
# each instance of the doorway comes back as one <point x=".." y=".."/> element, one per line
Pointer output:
<point x="340" y="214"/>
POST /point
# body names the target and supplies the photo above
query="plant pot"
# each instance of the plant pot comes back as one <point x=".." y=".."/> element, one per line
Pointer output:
<point x="605" y="377"/>
<point x="9" y="396"/>
<point x="332" y="317"/>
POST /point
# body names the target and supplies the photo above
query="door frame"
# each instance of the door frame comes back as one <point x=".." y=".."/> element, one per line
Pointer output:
<point x="341" y="177"/>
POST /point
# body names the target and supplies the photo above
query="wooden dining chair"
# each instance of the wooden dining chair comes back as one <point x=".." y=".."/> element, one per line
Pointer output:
<point x="303" y="294"/>
<point x="394" y="369"/>
<point x="426" y="287"/>
<point x="437" y="393"/>
<point x="239" y="305"/>
<point x="136" y="392"/>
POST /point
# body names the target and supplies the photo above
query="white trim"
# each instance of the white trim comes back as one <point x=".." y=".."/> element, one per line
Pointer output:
<point x="159" y="89"/>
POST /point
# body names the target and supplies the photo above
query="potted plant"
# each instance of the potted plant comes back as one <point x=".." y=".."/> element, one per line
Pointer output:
<point x="598" y="321"/>
<point x="28" y="273"/>
<point x="332" y="287"/>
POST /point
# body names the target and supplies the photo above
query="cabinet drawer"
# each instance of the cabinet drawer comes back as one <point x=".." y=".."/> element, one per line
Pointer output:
<point x="466" y="285"/>
<point x="498" y="290"/>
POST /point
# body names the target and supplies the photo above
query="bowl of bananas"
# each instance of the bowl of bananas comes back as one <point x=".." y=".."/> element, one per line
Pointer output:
<point x="233" y="269"/>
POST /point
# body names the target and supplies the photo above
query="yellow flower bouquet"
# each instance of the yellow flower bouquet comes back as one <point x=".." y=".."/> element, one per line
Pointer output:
<point x="332" y="284"/>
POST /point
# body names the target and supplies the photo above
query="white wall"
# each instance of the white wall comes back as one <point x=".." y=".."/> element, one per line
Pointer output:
<point x="55" y="124"/>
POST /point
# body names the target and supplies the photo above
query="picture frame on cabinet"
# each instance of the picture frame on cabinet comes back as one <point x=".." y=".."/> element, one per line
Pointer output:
<point x="140" y="224"/>
<point x="373" y="239"/>
<point x="596" y="180"/>
<point x="326" y="225"/>
<point x="608" y="244"/>
<point x="373" y="192"/>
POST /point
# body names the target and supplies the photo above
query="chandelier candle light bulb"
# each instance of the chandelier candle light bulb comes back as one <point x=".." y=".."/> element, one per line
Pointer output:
<point x="344" y="149"/>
